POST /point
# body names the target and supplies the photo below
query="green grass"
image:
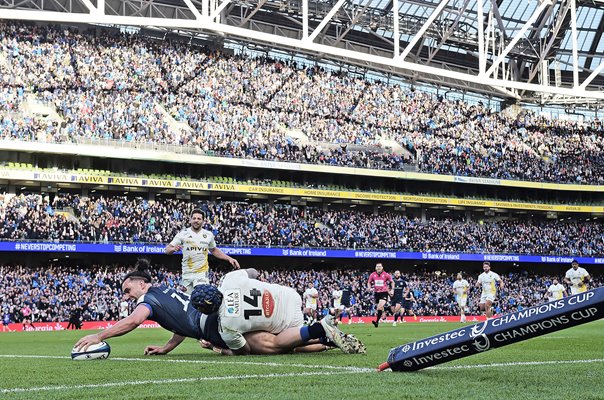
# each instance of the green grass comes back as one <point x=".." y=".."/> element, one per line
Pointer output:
<point x="329" y="375"/>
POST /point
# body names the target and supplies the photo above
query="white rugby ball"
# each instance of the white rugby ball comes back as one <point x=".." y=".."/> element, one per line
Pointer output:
<point x="94" y="352"/>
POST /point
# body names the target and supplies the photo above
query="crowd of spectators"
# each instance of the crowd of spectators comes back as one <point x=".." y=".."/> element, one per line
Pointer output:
<point x="52" y="293"/>
<point x="130" y="88"/>
<point x="106" y="218"/>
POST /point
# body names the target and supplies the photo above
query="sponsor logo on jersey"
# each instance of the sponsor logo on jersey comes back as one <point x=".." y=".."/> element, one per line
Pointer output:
<point x="268" y="304"/>
<point x="232" y="299"/>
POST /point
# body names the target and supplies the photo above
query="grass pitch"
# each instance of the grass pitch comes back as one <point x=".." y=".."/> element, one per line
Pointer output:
<point x="567" y="364"/>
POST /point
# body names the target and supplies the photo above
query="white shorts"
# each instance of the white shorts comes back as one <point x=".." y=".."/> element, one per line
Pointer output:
<point x="487" y="297"/>
<point x="462" y="301"/>
<point x="124" y="314"/>
<point x="190" y="280"/>
<point x="576" y="289"/>
<point x="311" y="306"/>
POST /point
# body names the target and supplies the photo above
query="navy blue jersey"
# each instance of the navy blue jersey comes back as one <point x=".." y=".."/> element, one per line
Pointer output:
<point x="346" y="293"/>
<point x="399" y="285"/>
<point x="171" y="309"/>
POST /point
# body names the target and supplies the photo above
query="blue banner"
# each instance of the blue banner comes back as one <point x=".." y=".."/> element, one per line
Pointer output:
<point x="132" y="248"/>
<point x="502" y="331"/>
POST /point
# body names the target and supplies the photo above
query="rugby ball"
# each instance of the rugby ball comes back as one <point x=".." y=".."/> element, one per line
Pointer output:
<point x="94" y="352"/>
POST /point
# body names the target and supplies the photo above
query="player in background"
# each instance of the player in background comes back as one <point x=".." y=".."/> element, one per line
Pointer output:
<point x="246" y="305"/>
<point x="382" y="286"/>
<point x="489" y="290"/>
<point x="123" y="309"/>
<point x="195" y="243"/>
<point x="408" y="301"/>
<point x="341" y="300"/>
<point x="460" y="289"/>
<point x="5" y="321"/>
<point x="577" y="278"/>
<point x="555" y="291"/>
<point x="310" y="297"/>
<point x="397" y="299"/>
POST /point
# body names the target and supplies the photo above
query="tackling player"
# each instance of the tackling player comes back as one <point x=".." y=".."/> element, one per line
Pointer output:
<point x="489" y="291"/>
<point x="246" y="305"/>
<point x="382" y="285"/>
<point x="460" y="288"/>
<point x="195" y="244"/>
<point x="577" y="278"/>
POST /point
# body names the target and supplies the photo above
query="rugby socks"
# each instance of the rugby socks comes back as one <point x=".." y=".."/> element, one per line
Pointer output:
<point x="314" y="331"/>
<point x="378" y="317"/>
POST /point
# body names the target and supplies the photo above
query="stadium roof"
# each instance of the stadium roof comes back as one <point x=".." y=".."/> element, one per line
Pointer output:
<point x="536" y="51"/>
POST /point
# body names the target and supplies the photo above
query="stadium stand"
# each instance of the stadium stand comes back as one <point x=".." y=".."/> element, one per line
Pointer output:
<point x="117" y="87"/>
<point x="122" y="219"/>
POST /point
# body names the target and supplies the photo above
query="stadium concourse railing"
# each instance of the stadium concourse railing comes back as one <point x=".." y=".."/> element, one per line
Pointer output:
<point x="58" y="246"/>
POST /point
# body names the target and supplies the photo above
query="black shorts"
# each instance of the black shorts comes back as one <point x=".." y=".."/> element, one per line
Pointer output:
<point x="407" y="305"/>
<point x="397" y="299"/>
<point x="380" y="296"/>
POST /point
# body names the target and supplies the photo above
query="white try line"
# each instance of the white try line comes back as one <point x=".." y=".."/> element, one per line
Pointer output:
<point x="519" y="364"/>
<point x="175" y="380"/>
<point x="216" y="362"/>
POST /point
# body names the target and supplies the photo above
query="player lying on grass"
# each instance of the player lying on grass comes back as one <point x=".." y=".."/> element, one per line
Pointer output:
<point x="269" y="314"/>
<point x="170" y="309"/>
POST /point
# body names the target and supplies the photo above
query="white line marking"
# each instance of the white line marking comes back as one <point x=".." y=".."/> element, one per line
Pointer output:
<point x="175" y="361"/>
<point x="176" y="380"/>
<point x="517" y="364"/>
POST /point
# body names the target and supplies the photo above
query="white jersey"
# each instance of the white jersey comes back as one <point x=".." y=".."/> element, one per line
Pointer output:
<point x="311" y="302"/>
<point x="251" y="305"/>
<point x="555" y="292"/>
<point x="576" y="277"/>
<point x="195" y="247"/>
<point x="461" y="287"/>
<point x="124" y="309"/>
<point x="337" y="298"/>
<point x="487" y="280"/>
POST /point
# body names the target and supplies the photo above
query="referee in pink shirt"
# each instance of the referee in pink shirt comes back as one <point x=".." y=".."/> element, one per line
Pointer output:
<point x="382" y="285"/>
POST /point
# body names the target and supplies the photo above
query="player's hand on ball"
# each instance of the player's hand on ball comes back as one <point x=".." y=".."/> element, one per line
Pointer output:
<point x="86" y="341"/>
<point x="154" y="350"/>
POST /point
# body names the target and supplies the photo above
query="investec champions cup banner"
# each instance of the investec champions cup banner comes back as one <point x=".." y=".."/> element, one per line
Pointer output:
<point x="507" y="329"/>
<point x="141" y="248"/>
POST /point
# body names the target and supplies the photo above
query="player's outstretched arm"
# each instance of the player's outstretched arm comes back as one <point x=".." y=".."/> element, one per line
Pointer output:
<point x="128" y="324"/>
<point x="174" y="341"/>
<point x="216" y="252"/>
